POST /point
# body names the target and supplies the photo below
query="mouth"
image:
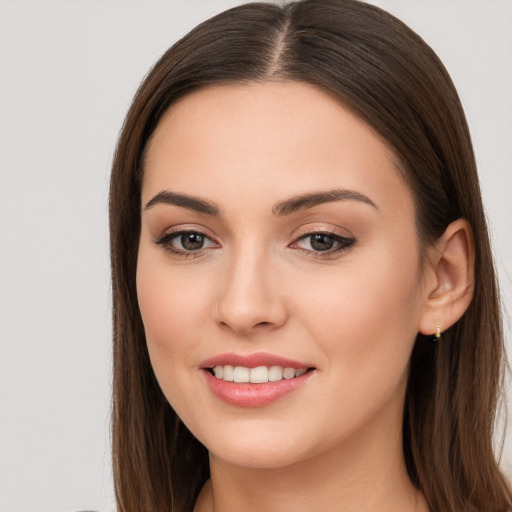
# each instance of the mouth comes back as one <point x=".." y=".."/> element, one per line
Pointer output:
<point x="255" y="380"/>
<point x="257" y="375"/>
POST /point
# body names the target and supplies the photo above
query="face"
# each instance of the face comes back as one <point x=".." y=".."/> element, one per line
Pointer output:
<point x="278" y="246"/>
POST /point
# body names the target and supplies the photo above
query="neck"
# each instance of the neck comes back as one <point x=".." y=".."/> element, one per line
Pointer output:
<point x="364" y="474"/>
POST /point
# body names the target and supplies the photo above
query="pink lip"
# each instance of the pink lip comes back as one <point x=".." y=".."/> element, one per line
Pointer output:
<point x="248" y="394"/>
<point x="252" y="361"/>
<point x="253" y="395"/>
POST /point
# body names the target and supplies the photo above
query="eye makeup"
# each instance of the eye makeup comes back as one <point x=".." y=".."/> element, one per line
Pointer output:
<point x="189" y="243"/>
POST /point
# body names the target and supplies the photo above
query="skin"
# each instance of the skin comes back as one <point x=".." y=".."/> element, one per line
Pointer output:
<point x="258" y="285"/>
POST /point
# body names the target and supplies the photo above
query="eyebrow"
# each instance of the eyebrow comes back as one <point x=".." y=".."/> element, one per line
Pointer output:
<point x="306" y="201"/>
<point x="185" y="201"/>
<point x="287" y="207"/>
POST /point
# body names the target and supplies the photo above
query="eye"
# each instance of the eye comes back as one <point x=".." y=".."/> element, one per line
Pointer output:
<point x="191" y="241"/>
<point x="320" y="242"/>
<point x="185" y="242"/>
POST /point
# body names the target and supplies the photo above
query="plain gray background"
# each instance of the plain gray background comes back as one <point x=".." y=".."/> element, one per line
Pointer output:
<point x="68" y="70"/>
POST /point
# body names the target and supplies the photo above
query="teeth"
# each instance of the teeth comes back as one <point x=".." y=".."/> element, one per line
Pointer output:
<point x="241" y="374"/>
<point x="275" y="373"/>
<point x="289" y="373"/>
<point x="257" y="375"/>
<point x="228" y="373"/>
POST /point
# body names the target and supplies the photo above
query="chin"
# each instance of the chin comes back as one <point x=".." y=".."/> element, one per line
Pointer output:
<point x="257" y="457"/>
<point x="262" y="445"/>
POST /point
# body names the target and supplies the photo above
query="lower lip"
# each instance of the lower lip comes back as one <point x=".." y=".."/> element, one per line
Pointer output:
<point x="254" y="395"/>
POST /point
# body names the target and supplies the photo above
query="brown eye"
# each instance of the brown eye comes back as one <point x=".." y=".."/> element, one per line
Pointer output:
<point x="192" y="241"/>
<point x="327" y="243"/>
<point x="321" y="242"/>
<point x="185" y="242"/>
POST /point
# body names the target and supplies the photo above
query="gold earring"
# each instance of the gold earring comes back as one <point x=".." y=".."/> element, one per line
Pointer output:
<point x="437" y="335"/>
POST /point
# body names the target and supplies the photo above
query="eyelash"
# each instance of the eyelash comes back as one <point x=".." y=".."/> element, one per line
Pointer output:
<point x="343" y="242"/>
<point x="166" y="242"/>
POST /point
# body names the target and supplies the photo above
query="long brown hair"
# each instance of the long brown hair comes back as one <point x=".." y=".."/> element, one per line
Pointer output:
<point x="388" y="76"/>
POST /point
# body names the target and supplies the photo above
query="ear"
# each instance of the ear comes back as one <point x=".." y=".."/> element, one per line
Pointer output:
<point x="449" y="279"/>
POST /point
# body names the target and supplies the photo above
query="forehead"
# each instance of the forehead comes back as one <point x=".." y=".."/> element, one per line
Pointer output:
<point x="271" y="139"/>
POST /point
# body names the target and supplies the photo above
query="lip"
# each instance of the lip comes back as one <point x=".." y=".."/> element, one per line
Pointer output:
<point x="253" y="395"/>
<point x="253" y="361"/>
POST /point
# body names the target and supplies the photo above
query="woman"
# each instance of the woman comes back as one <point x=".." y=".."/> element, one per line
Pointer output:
<point x="305" y="307"/>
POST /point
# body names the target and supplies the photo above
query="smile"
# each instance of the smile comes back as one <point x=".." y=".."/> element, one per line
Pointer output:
<point x="255" y="380"/>
<point x="258" y="375"/>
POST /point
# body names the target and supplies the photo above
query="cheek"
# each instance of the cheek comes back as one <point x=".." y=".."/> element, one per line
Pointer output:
<point x="364" y="321"/>
<point x="172" y="308"/>
<point x="366" y="315"/>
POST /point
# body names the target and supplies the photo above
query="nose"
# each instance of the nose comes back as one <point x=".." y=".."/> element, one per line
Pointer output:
<point x="250" y="295"/>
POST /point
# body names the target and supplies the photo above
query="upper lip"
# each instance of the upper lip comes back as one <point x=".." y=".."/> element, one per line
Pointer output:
<point x="252" y="361"/>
